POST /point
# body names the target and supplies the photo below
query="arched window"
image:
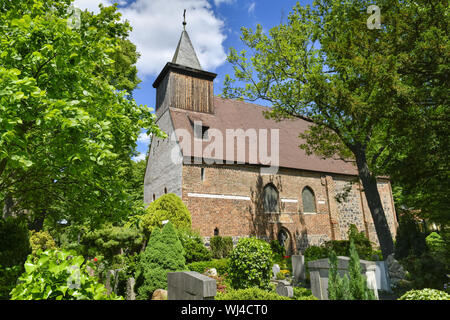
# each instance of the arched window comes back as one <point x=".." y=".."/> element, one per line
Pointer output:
<point x="154" y="197"/>
<point x="270" y="198"/>
<point x="309" y="201"/>
<point x="216" y="231"/>
<point x="165" y="190"/>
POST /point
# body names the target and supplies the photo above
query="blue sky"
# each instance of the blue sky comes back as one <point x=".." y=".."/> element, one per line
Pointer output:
<point x="213" y="26"/>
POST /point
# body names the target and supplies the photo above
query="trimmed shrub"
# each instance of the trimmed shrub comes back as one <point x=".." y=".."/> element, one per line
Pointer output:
<point x="426" y="271"/>
<point x="250" y="264"/>
<point x="253" y="293"/>
<point x="8" y="280"/>
<point x="425" y="294"/>
<point x="221" y="265"/>
<point x="58" y="275"/>
<point x="164" y="254"/>
<point x="278" y="250"/>
<point x="194" y="249"/>
<point x="167" y="207"/>
<point x="41" y="240"/>
<point x="220" y="246"/>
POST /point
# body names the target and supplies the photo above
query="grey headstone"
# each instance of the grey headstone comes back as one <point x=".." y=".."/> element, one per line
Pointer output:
<point x="130" y="294"/>
<point x="275" y="270"/>
<point x="319" y="271"/>
<point x="298" y="267"/>
<point x="190" y="285"/>
<point x="285" y="289"/>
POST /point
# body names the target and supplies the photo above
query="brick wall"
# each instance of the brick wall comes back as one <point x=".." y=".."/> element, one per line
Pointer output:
<point x="229" y="198"/>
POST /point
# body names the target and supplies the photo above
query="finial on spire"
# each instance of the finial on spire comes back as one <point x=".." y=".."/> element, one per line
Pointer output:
<point x="184" y="19"/>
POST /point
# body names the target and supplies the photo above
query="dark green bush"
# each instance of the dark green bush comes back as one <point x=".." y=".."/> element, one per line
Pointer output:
<point x="410" y="240"/>
<point x="253" y="293"/>
<point x="220" y="246"/>
<point x="221" y="265"/>
<point x="110" y="240"/>
<point x="194" y="249"/>
<point x="8" y="280"/>
<point x="167" y="207"/>
<point x="14" y="242"/>
<point x="164" y="254"/>
<point x="278" y="250"/>
<point x="426" y="271"/>
<point x="250" y="264"/>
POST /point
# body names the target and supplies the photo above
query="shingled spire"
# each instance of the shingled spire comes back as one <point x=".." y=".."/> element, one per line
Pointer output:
<point x="185" y="54"/>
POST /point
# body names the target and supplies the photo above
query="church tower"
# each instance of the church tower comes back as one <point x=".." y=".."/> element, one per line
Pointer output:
<point x="182" y="83"/>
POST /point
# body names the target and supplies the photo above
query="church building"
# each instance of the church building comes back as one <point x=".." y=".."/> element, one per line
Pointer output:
<point x="241" y="174"/>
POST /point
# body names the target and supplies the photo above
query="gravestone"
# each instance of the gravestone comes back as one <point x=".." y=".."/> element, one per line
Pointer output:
<point x="112" y="281"/>
<point x="319" y="271"/>
<point x="285" y="289"/>
<point x="130" y="294"/>
<point x="190" y="285"/>
<point x="298" y="268"/>
<point x="382" y="276"/>
<point x="275" y="270"/>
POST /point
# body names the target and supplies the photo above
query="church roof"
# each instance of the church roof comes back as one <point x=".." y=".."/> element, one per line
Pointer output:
<point x="185" y="54"/>
<point x="233" y="114"/>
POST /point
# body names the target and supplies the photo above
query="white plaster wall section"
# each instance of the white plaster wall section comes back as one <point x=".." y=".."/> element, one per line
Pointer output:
<point x="163" y="173"/>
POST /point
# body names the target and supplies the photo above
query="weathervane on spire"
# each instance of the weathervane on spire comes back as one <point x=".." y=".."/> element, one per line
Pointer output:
<point x="184" y="19"/>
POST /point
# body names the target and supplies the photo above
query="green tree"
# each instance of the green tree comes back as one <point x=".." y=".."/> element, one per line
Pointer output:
<point x="68" y="122"/>
<point x="352" y="83"/>
<point x="164" y="254"/>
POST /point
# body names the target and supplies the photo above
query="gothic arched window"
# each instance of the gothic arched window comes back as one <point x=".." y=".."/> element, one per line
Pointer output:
<point x="270" y="198"/>
<point x="309" y="201"/>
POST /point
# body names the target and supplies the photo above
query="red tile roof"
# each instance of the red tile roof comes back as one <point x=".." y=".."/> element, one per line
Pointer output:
<point x="233" y="114"/>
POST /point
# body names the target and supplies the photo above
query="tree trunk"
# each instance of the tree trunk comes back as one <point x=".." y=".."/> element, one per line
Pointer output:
<point x="369" y="183"/>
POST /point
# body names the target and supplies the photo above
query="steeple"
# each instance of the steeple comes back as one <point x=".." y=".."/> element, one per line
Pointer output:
<point x="182" y="83"/>
<point x="185" y="54"/>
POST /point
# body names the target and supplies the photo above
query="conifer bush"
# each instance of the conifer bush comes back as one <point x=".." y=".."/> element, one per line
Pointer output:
<point x="221" y="246"/>
<point x="250" y="264"/>
<point x="164" y="254"/>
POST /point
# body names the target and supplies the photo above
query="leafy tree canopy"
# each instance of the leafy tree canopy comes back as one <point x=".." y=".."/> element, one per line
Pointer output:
<point x="68" y="123"/>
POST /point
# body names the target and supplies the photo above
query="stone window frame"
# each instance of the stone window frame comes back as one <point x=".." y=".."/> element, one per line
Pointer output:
<point x="270" y="184"/>
<point x="314" y="197"/>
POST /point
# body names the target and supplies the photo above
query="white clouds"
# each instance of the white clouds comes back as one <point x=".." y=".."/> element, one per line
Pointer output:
<point x="157" y="26"/>
<point x="219" y="2"/>
<point x="143" y="138"/>
<point x="251" y="8"/>
<point x="91" y="5"/>
<point x="138" y="158"/>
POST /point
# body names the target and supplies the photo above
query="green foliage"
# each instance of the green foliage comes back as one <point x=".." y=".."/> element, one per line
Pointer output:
<point x="41" y="240"/>
<point x="8" y="280"/>
<point x="221" y="265"/>
<point x="428" y="270"/>
<point x="109" y="240"/>
<point x="410" y="239"/>
<point x="167" y="207"/>
<point x="252" y="293"/>
<point x="278" y="250"/>
<point x="353" y="287"/>
<point x="425" y="294"/>
<point x="67" y="130"/>
<point x="164" y="254"/>
<point x="194" y="249"/>
<point x="358" y="283"/>
<point x="14" y="242"/>
<point x="435" y="242"/>
<point x="220" y="246"/>
<point x="303" y="294"/>
<point x="250" y="264"/>
<point x="58" y="275"/>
